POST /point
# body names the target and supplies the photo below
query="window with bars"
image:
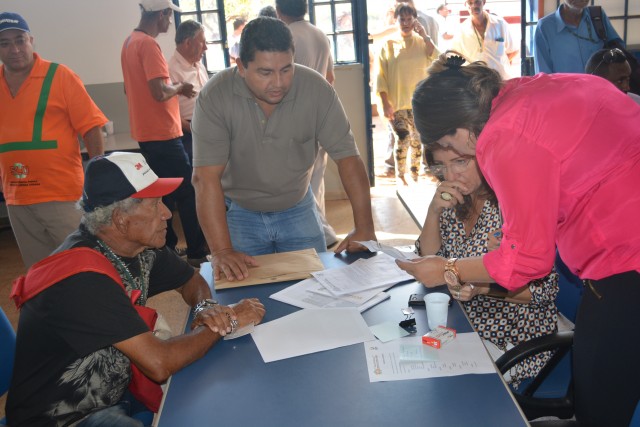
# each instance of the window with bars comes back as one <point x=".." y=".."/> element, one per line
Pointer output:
<point x="334" y="17"/>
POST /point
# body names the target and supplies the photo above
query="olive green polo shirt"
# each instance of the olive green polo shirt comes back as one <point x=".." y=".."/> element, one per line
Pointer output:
<point x="268" y="161"/>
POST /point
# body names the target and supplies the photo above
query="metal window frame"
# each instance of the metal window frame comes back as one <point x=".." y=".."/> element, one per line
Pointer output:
<point x="530" y="25"/>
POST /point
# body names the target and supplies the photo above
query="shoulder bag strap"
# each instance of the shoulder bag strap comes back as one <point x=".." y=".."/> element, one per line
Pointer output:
<point x="595" y="13"/>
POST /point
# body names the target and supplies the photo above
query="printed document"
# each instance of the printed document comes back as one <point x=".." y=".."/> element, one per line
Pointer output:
<point x="397" y="360"/>
<point x="311" y="294"/>
<point x="402" y="253"/>
<point x="364" y="274"/>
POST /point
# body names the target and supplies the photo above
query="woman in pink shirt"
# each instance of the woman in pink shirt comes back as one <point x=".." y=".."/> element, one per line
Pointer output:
<point x="562" y="153"/>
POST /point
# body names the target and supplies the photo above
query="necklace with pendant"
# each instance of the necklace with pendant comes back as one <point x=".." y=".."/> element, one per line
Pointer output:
<point x="124" y="270"/>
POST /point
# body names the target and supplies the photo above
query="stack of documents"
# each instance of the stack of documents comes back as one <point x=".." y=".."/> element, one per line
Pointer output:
<point x="361" y="285"/>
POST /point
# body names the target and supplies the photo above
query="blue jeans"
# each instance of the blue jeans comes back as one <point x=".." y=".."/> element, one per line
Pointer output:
<point x="259" y="233"/>
<point x="120" y="415"/>
<point x="169" y="160"/>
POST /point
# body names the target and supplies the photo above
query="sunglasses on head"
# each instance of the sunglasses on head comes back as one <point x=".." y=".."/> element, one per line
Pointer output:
<point x="612" y="56"/>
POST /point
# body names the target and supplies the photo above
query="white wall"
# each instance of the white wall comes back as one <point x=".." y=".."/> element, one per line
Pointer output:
<point x="350" y="88"/>
<point x="85" y="35"/>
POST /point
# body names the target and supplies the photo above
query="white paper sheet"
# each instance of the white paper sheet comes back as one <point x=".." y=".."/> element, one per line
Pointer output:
<point x="464" y="355"/>
<point x="310" y="294"/>
<point x="402" y="253"/>
<point x="310" y="331"/>
<point x="206" y="271"/>
<point x="364" y="274"/>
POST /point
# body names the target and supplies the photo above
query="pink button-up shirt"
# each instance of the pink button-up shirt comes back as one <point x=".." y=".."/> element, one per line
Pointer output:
<point x="562" y="153"/>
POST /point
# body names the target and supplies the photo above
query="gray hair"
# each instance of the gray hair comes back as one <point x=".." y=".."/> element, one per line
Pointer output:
<point x="102" y="216"/>
<point x="188" y="30"/>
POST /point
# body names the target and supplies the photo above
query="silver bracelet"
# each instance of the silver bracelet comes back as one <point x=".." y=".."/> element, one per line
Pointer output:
<point x="205" y="304"/>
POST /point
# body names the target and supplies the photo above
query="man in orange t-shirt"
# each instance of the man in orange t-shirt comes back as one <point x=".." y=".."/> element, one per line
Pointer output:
<point x="43" y="108"/>
<point x="154" y="116"/>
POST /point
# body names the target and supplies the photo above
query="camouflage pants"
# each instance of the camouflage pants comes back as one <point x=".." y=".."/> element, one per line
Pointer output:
<point x="406" y="135"/>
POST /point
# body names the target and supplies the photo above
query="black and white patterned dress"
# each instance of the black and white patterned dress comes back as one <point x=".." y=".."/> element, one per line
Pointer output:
<point x="496" y="320"/>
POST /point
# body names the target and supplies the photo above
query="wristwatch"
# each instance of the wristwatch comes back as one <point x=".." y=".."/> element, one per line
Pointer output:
<point x="451" y="273"/>
<point x="204" y="305"/>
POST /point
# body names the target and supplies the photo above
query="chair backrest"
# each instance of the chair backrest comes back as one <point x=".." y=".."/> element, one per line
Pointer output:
<point x="7" y="352"/>
<point x="635" y="420"/>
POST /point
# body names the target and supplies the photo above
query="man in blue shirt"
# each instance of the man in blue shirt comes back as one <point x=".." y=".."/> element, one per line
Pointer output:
<point x="565" y="40"/>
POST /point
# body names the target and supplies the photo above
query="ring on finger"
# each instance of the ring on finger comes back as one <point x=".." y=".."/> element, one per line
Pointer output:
<point x="471" y="286"/>
<point x="234" y="323"/>
<point x="446" y="196"/>
<point x="458" y="295"/>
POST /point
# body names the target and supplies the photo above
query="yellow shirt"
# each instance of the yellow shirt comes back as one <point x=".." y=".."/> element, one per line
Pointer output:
<point x="402" y="63"/>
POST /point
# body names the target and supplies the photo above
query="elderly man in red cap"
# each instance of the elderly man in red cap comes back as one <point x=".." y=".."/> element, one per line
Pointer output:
<point x="86" y="350"/>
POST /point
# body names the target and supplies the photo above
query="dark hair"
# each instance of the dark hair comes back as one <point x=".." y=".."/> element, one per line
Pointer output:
<point x="187" y="30"/>
<point x="238" y="22"/>
<point x="454" y="97"/>
<point x="264" y="34"/>
<point x="598" y="64"/>
<point x="269" y="11"/>
<point x="463" y="211"/>
<point x="292" y="8"/>
<point x="405" y="8"/>
<point x="442" y="6"/>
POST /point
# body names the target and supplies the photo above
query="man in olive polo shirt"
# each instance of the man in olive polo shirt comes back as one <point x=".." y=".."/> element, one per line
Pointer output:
<point x="256" y="130"/>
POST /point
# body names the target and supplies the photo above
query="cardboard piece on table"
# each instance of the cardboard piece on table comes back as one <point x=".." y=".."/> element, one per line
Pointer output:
<point x="278" y="267"/>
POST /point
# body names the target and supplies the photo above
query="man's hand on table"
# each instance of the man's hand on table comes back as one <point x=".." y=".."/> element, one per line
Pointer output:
<point x="219" y="318"/>
<point x="249" y="310"/>
<point x="349" y="243"/>
<point x="233" y="264"/>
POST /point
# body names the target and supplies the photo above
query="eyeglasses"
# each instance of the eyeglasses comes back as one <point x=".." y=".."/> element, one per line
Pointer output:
<point x="457" y="166"/>
<point x="18" y="42"/>
<point x="613" y="56"/>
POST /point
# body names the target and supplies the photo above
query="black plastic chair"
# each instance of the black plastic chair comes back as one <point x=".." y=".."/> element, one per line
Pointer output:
<point x="550" y="393"/>
<point x="533" y="405"/>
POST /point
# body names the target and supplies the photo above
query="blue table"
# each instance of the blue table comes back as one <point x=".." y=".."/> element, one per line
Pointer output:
<point x="232" y="386"/>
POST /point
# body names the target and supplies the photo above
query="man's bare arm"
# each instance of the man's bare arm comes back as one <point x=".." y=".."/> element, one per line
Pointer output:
<point x="162" y="92"/>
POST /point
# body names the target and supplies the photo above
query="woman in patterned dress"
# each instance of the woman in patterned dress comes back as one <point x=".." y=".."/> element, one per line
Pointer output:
<point x="467" y="225"/>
